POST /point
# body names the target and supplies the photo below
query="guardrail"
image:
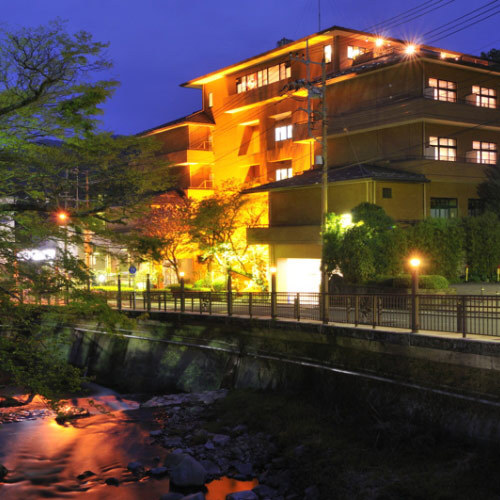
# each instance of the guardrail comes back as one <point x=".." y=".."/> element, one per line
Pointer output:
<point x="464" y="314"/>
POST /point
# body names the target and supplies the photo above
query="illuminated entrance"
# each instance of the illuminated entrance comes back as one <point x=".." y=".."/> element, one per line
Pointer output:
<point x="298" y="275"/>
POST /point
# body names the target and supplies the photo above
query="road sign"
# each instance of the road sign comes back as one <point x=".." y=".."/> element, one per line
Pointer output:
<point x="132" y="270"/>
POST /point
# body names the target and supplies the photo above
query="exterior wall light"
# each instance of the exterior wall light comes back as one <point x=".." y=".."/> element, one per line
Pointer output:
<point x="272" y="270"/>
<point x="379" y="42"/>
<point x="410" y="49"/>
<point x="346" y="220"/>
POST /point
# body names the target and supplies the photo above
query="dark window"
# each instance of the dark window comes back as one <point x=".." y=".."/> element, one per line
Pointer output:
<point x="475" y="207"/>
<point x="444" y="208"/>
<point x="386" y="192"/>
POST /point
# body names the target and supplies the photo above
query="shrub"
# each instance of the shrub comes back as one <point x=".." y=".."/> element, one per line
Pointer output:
<point x="426" y="282"/>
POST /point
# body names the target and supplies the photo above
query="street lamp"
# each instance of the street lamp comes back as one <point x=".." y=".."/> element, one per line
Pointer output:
<point x="415" y="264"/>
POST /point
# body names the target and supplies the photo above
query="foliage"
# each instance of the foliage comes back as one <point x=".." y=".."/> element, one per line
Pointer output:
<point x="370" y="247"/>
<point x="163" y="233"/>
<point x="429" y="282"/>
<point x="49" y="90"/>
<point x="482" y="245"/>
<point x="493" y="55"/>
<point x="218" y="226"/>
<point x="440" y="242"/>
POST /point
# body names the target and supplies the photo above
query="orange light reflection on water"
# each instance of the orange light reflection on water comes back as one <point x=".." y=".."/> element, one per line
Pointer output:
<point x="219" y="488"/>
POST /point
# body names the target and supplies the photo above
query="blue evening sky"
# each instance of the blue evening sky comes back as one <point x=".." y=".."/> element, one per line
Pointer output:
<point x="158" y="44"/>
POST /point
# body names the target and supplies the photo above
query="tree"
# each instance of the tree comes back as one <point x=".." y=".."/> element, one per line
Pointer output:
<point x="53" y="158"/>
<point x="218" y="227"/>
<point x="441" y="242"/>
<point x="482" y="245"/>
<point x="163" y="233"/>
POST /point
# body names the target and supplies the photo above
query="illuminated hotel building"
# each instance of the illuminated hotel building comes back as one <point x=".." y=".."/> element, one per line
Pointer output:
<point x="412" y="128"/>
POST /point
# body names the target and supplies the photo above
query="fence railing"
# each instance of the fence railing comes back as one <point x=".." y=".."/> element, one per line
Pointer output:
<point x="464" y="314"/>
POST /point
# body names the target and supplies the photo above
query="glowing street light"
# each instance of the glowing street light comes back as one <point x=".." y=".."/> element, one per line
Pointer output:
<point x="415" y="263"/>
<point x="62" y="217"/>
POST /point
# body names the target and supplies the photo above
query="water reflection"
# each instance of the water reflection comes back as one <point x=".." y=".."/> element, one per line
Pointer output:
<point x="45" y="458"/>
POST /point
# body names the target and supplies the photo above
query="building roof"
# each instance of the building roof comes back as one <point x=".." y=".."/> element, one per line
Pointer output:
<point x="297" y="45"/>
<point x="198" y="117"/>
<point x="350" y="173"/>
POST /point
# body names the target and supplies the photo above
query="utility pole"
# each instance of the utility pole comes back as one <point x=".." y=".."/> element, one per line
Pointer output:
<point x="314" y="92"/>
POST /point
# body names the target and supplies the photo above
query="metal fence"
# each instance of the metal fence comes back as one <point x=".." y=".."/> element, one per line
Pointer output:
<point x="465" y="314"/>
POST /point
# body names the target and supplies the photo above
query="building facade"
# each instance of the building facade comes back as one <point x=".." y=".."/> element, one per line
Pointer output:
<point x="412" y="128"/>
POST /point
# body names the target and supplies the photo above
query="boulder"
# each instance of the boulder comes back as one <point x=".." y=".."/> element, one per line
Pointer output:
<point x="172" y="496"/>
<point x="242" y="495"/>
<point x="211" y="468"/>
<point x="195" y="496"/>
<point x="156" y="433"/>
<point x="3" y="472"/>
<point x="112" y="481"/>
<point x="264" y="491"/>
<point x="135" y="467"/>
<point x="311" y="493"/>
<point x="158" y="471"/>
<point x="188" y="472"/>
<point x="80" y="477"/>
<point x="221" y="439"/>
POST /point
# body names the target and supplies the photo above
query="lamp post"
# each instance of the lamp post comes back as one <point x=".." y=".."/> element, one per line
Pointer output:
<point x="63" y="219"/>
<point x="415" y="263"/>
<point x="274" y="304"/>
<point x="183" y="298"/>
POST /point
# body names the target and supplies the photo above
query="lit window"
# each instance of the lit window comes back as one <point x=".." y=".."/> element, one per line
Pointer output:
<point x="210" y="99"/>
<point x="251" y="81"/>
<point x="444" y="148"/>
<point x="327" y="50"/>
<point x="283" y="132"/>
<point x="263" y="77"/>
<point x="475" y="207"/>
<point x="284" y="173"/>
<point x="444" y="208"/>
<point x="485" y="152"/>
<point x="485" y="98"/>
<point x="443" y="90"/>
<point x="386" y="192"/>
<point x="353" y="52"/>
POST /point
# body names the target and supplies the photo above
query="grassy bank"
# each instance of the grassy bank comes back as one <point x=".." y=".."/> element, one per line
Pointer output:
<point x="352" y="452"/>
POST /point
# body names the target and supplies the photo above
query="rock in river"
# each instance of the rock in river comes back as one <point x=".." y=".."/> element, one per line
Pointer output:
<point x="243" y="495"/>
<point x="3" y="472"/>
<point x="185" y="470"/>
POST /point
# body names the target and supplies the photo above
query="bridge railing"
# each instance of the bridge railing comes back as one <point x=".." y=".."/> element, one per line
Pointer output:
<point x="464" y="314"/>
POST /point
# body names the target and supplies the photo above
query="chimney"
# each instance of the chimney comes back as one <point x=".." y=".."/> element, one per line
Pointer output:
<point x="283" y="41"/>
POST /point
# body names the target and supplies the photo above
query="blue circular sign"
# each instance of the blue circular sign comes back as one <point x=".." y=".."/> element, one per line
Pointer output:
<point x="132" y="270"/>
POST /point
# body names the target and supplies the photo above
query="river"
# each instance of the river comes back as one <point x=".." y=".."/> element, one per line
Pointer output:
<point x="44" y="458"/>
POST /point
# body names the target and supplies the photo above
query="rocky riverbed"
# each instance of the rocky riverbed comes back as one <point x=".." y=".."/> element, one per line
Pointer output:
<point x="162" y="448"/>
<point x="197" y="454"/>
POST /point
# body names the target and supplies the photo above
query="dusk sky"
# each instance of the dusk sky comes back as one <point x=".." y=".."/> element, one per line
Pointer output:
<point x="158" y="44"/>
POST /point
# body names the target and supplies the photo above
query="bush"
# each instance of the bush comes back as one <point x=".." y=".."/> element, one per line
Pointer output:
<point x="426" y="282"/>
<point x="112" y="288"/>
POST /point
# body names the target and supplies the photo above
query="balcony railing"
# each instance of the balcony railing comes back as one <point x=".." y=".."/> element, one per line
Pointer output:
<point x="201" y="146"/>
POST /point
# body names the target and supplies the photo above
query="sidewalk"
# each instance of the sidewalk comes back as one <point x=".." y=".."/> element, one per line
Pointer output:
<point x="477" y="288"/>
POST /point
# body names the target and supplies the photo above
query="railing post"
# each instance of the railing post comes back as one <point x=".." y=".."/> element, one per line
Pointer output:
<point x="274" y="304"/>
<point x="210" y="303"/>
<point x="297" y="306"/>
<point x="356" y="310"/>
<point x="325" y="298"/>
<point x="374" y="310"/>
<point x="119" y="295"/>
<point x="250" y="304"/>
<point x="183" y="295"/>
<point x="229" y="294"/>
<point x="133" y="300"/>
<point x="148" y="293"/>
<point x="461" y="315"/>
<point x="200" y="302"/>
